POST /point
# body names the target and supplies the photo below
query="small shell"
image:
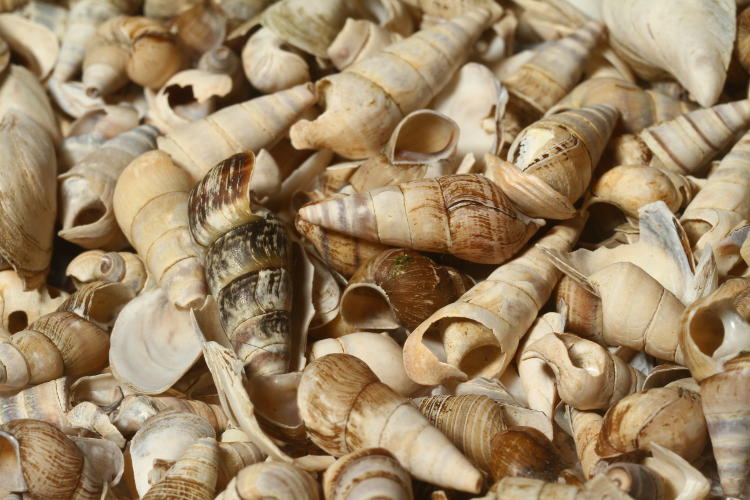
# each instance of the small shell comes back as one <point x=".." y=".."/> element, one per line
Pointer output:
<point x="88" y="416"/>
<point x="369" y="473"/>
<point x="134" y="410"/>
<point x="47" y="401"/>
<point x="121" y="267"/>
<point x="310" y="27"/>
<point x="269" y="66"/>
<point x="271" y="480"/>
<point x="192" y="476"/>
<point x="670" y="416"/>
<point x="636" y="480"/>
<point x="200" y="29"/>
<point x="34" y="42"/>
<point x="524" y="452"/>
<point x="20" y="307"/>
<point x="469" y="421"/>
<point x="357" y="40"/>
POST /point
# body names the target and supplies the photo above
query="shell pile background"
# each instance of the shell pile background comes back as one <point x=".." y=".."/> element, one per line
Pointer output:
<point x="360" y="249"/>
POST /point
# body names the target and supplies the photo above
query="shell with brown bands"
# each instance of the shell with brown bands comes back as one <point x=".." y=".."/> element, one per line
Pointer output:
<point x="134" y="410"/>
<point x="47" y="401"/>
<point x="524" y="452"/>
<point x="193" y="476"/>
<point x="248" y="263"/>
<point x="370" y="473"/>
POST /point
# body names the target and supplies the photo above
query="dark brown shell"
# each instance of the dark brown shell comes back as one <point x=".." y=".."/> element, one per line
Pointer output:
<point x="248" y="262"/>
<point x="524" y="452"/>
<point x="584" y="309"/>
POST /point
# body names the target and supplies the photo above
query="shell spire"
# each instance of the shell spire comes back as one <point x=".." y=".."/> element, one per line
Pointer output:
<point x="464" y="215"/>
<point x="366" y="101"/>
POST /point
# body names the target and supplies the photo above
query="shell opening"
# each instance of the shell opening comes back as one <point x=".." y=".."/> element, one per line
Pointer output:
<point x="17" y="321"/>
<point x="414" y="145"/>
<point x="94" y="211"/>
<point x="467" y="345"/>
<point x="367" y="307"/>
<point x="604" y="219"/>
<point x="183" y="102"/>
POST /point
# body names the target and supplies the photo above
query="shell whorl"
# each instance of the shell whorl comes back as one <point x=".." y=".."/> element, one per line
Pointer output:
<point x="248" y="263"/>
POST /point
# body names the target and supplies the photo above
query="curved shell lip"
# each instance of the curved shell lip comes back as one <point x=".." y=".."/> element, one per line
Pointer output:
<point x="11" y="472"/>
<point x="447" y="129"/>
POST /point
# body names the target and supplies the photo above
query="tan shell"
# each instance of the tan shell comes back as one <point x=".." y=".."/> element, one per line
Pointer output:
<point x="378" y="350"/>
<point x="727" y="414"/>
<point x="554" y="161"/>
<point x="585" y="428"/>
<point x="480" y="332"/>
<point x="165" y="436"/>
<point x="47" y="401"/>
<point x="200" y="29"/>
<point x="20" y="307"/>
<point x="150" y="204"/>
<point x="582" y="309"/>
<point x="235" y="456"/>
<point x="469" y="421"/>
<point x="358" y="40"/>
<point x="524" y="452"/>
<point x="358" y="411"/>
<point x="399" y="287"/>
<point x="35" y="43"/>
<point x="588" y="376"/>
<point x="121" y="267"/>
<point x="248" y="264"/>
<point x="699" y="63"/>
<point x="392" y="83"/>
<point x="21" y="92"/>
<point x="523" y="488"/>
<point x="537" y="381"/>
<point x="134" y="410"/>
<point x="480" y="220"/>
<point x="636" y="480"/>
<point x="52" y="465"/>
<point x="269" y="66"/>
<point x="679" y="478"/>
<point x="248" y="126"/>
<point x="727" y="190"/>
<point x="135" y="48"/>
<point x="638" y="108"/>
<point x="192" y="476"/>
<point x="670" y="416"/>
<point x="87" y="190"/>
<point x="88" y="416"/>
<point x="369" y="473"/>
<point x="685" y="144"/>
<point x="29" y="199"/>
<point x="271" y="480"/>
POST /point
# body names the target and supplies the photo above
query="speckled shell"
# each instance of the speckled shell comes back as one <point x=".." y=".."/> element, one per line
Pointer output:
<point x="248" y="264"/>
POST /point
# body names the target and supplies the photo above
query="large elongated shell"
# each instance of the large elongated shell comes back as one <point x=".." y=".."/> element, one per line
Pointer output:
<point x="366" y="101"/>
<point x="686" y="144"/>
<point x="20" y="91"/>
<point x="47" y="401"/>
<point x="151" y="207"/>
<point x="699" y="63"/>
<point x="135" y="48"/>
<point x="369" y="473"/>
<point x="87" y="190"/>
<point x="193" y="476"/>
<point x="28" y="198"/>
<point x="727" y="412"/>
<point x="248" y="264"/>
<point x="134" y="410"/>
<point x="670" y="416"/>
<point x="166" y="436"/>
<point x="727" y="190"/>
<point x="52" y="464"/>
<point x="469" y="421"/>
<point x="478" y="335"/>
<point x="554" y="159"/>
<point x="588" y="376"/>
<point x="19" y="307"/>
<point x="553" y="71"/>
<point x="346" y="408"/>
<point x="399" y="287"/>
<point x="465" y="215"/>
<point x="248" y="126"/>
<point x="378" y="350"/>
<point x="638" y="108"/>
<point x="271" y="480"/>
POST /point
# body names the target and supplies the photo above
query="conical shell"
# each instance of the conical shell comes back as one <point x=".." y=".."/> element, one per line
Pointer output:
<point x="399" y="287"/>
<point x="588" y="376"/>
<point x="638" y="108"/>
<point x="269" y="66"/>
<point x="150" y="204"/>
<point x="167" y="437"/>
<point x="134" y="410"/>
<point x="192" y="477"/>
<point x="248" y="126"/>
<point x="727" y="189"/>
<point x="87" y="190"/>
<point x="378" y="350"/>
<point x="687" y="143"/>
<point x="469" y="421"/>
<point x="555" y="157"/>
<point x="582" y="309"/>
<point x="248" y="264"/>
<point x="366" y="101"/>
<point x="699" y="63"/>
<point x="47" y="401"/>
<point x="346" y="408"/>
<point x="19" y="307"/>
<point x="553" y="71"/>
<point x="524" y="452"/>
<point x="28" y="198"/>
<point x="489" y="320"/>
<point x="271" y="480"/>
<point x="670" y="416"/>
<point x="482" y="224"/>
<point x="369" y="473"/>
<point x="725" y="406"/>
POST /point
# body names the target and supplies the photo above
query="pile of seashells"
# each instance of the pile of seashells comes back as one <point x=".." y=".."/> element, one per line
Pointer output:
<point x="360" y="249"/>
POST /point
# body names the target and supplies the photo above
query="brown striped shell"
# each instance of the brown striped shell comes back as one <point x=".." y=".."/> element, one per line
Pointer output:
<point x="248" y="264"/>
<point x="369" y="473"/>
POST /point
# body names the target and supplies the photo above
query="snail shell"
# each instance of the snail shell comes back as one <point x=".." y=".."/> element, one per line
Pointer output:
<point x="271" y="480"/>
<point x="524" y="452"/>
<point x="346" y="408"/>
<point x="248" y="264"/>
<point x="369" y="473"/>
<point x="193" y="476"/>
<point x="638" y="481"/>
<point x="134" y="410"/>
<point x="122" y="267"/>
